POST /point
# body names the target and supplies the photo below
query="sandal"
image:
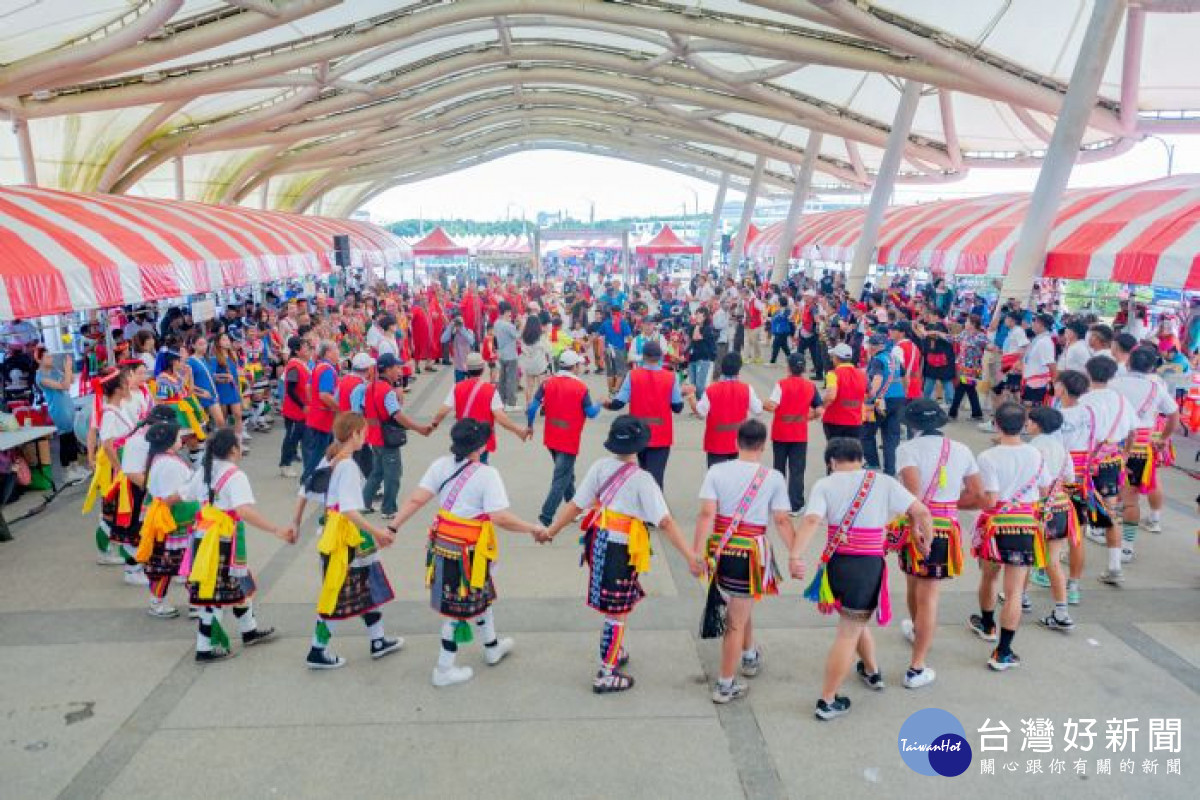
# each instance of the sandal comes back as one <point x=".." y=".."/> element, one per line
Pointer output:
<point x="615" y="681"/>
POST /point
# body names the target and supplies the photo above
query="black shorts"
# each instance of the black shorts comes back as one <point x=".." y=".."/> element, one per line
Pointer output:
<point x="1011" y="382"/>
<point x="1135" y="468"/>
<point x="1107" y="479"/>
<point x="1057" y="524"/>
<point x="1034" y="397"/>
<point x="855" y="582"/>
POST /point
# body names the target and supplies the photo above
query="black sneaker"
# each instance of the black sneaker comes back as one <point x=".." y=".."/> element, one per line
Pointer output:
<point x="873" y="680"/>
<point x="1000" y="663"/>
<point x="382" y="646"/>
<point x="323" y="659"/>
<point x="828" y="711"/>
<point x="975" y="624"/>
<point x="257" y="636"/>
<point x="1052" y="622"/>
<point x="209" y="656"/>
<point x="367" y="510"/>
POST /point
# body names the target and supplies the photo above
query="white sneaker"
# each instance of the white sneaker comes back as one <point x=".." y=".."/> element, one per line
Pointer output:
<point x="922" y="678"/>
<point x="987" y="427"/>
<point x="494" y="655"/>
<point x="1153" y="525"/>
<point x="110" y="559"/>
<point x="452" y="675"/>
<point x="136" y="577"/>
<point x="77" y="473"/>
<point x="1127" y="555"/>
<point x="910" y="631"/>
<point x="163" y="611"/>
<point x="246" y="437"/>
<point x="289" y="471"/>
<point x="1096" y="536"/>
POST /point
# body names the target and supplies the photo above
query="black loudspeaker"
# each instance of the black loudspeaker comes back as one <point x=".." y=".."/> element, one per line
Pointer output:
<point x="726" y="244"/>
<point x="341" y="250"/>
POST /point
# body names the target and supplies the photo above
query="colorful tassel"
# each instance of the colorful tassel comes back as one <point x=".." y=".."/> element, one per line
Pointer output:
<point x="462" y="632"/>
<point x="218" y="637"/>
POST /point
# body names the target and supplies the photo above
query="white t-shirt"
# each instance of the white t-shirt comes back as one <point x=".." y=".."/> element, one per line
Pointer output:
<point x="137" y="405"/>
<point x="1015" y="340"/>
<point x="923" y="453"/>
<point x="638" y="497"/>
<point x="345" y="487"/>
<point x="1148" y="396"/>
<point x="1075" y="357"/>
<point x="1010" y="470"/>
<point x="1078" y="432"/>
<point x="727" y="484"/>
<point x="831" y="496"/>
<point x="116" y="421"/>
<point x="169" y="475"/>
<point x="1115" y="416"/>
<point x="235" y="493"/>
<point x="135" y="453"/>
<point x="1058" y="463"/>
<point x="756" y="405"/>
<point x="483" y="494"/>
<point x="1039" y="357"/>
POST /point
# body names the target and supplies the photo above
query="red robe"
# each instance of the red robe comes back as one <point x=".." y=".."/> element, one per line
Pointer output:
<point x="471" y="312"/>
<point x="437" y="321"/>
<point x="422" y="335"/>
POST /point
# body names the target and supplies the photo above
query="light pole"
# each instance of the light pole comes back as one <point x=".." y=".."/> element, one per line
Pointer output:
<point x="1170" y="148"/>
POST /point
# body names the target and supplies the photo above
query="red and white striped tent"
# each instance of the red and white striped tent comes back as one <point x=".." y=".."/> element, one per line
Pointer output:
<point x="64" y="252"/>
<point x="1148" y="233"/>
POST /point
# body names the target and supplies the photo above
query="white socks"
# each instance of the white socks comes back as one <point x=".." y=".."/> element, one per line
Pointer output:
<point x="1114" y="559"/>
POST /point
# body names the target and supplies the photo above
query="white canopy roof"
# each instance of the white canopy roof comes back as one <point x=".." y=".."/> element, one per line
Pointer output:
<point x="321" y="104"/>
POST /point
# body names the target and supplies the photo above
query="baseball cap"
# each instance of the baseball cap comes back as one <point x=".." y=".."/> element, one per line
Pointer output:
<point x="842" y="351"/>
<point x="569" y="358"/>
<point x="386" y="361"/>
<point x="363" y="361"/>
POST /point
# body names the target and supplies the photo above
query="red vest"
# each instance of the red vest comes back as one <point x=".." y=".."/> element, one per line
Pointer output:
<point x="790" y="423"/>
<point x="481" y="406"/>
<point x="291" y="409"/>
<point x="728" y="407"/>
<point x="650" y="400"/>
<point x="911" y="356"/>
<point x="345" y="388"/>
<point x="754" y="317"/>
<point x="565" y="416"/>
<point x="847" y="405"/>
<point x="375" y="411"/>
<point x="319" y="416"/>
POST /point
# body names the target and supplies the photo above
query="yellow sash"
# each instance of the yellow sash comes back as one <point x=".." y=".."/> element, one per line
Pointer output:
<point x="217" y="525"/>
<point x="102" y="480"/>
<point x="639" y="536"/>
<point x="338" y="536"/>
<point x="184" y="407"/>
<point x="157" y="526"/>
<point x="485" y="546"/>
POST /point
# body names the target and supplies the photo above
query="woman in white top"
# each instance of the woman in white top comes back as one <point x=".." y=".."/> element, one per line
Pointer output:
<point x="938" y="471"/>
<point x="354" y="583"/>
<point x="114" y="424"/>
<point x="854" y="506"/>
<point x="472" y="502"/>
<point x="168" y="520"/>
<point x="1057" y="513"/>
<point x="217" y="569"/>
<point x="534" y="359"/>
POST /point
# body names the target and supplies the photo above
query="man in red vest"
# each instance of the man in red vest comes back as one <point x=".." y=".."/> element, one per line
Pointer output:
<point x="351" y="389"/>
<point x="725" y="406"/>
<point x="567" y="405"/>
<point x="794" y="401"/>
<point x="653" y="395"/>
<point x="845" y="393"/>
<point x="383" y="406"/>
<point x="474" y="398"/>
<point x="295" y="401"/>
<point x="321" y="408"/>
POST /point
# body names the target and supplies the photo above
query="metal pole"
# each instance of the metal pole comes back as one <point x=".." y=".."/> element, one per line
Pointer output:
<point x="25" y="146"/>
<point x="715" y="220"/>
<point x="1029" y="255"/>
<point x="264" y="197"/>
<point x="180" y="193"/>
<point x="739" y="242"/>
<point x="881" y="193"/>
<point x="812" y="150"/>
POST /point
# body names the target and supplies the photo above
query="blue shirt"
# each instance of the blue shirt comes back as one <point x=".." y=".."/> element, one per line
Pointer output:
<point x="623" y="392"/>
<point x="327" y="382"/>
<point x="589" y="408"/>
<point x="58" y="401"/>
<point x="201" y="376"/>
<point x="358" y="400"/>
<point x="616" y="338"/>
<point x="882" y="364"/>
<point x="616" y="301"/>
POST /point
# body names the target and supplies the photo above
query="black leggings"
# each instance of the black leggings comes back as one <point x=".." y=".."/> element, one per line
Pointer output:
<point x="971" y="392"/>
<point x="68" y="448"/>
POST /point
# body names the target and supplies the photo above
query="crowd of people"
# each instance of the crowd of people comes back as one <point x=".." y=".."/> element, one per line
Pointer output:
<point x="1082" y="423"/>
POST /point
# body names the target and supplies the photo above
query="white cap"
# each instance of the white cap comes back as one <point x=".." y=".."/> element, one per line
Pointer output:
<point x="569" y="358"/>
<point x="842" y="351"/>
<point x="362" y="361"/>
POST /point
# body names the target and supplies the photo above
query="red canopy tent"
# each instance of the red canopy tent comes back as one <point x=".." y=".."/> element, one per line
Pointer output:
<point x="437" y="245"/>
<point x="666" y="243"/>
<point x="752" y="233"/>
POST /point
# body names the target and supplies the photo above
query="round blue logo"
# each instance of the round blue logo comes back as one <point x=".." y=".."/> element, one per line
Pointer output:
<point x="933" y="742"/>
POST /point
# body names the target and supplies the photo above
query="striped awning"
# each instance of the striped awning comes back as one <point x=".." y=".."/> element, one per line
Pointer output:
<point x="1148" y="233"/>
<point x="73" y="252"/>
